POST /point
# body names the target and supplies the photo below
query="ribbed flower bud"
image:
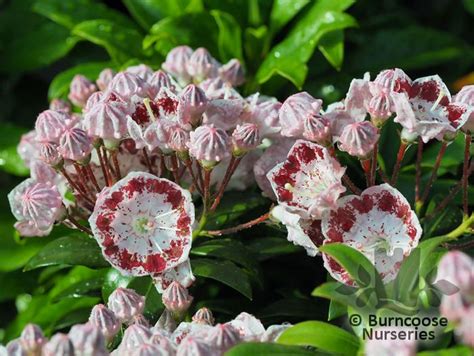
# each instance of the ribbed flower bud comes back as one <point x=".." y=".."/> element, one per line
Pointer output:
<point x="60" y="105"/>
<point x="379" y="108"/>
<point x="176" y="298"/>
<point x="201" y="65"/>
<point x="141" y="70"/>
<point x="192" y="104"/>
<point x="358" y="139"/>
<point x="93" y="100"/>
<point x="222" y="337"/>
<point x="80" y="90"/>
<point x="203" y="316"/>
<point x="176" y="64"/>
<point x="166" y="322"/>
<point x="317" y="129"/>
<point x="209" y="145"/>
<point x="59" y="345"/>
<point x="105" y="77"/>
<point x="32" y="339"/>
<point x="159" y="79"/>
<point x="193" y="346"/>
<point x="232" y="72"/>
<point x="104" y="319"/>
<point x="50" y="125"/>
<point x="179" y="139"/>
<point x="127" y="85"/>
<point x="75" y="144"/>
<point x="245" y="137"/>
<point x="126" y="303"/>
<point x="87" y="340"/>
<point x="295" y="110"/>
<point x="133" y="337"/>
<point x="149" y="350"/>
<point x="140" y="320"/>
<point x="49" y="154"/>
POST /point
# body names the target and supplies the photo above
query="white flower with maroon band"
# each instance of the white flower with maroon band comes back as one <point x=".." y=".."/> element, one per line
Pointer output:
<point x="295" y="111"/>
<point x="466" y="97"/>
<point x="379" y="223"/>
<point x="309" y="181"/>
<point x="302" y="232"/>
<point x="426" y="109"/>
<point x="181" y="273"/>
<point x="143" y="224"/>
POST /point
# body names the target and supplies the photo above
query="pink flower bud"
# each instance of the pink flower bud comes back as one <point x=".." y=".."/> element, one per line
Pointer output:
<point x="50" y="125"/>
<point x="127" y="85"/>
<point x="32" y="339"/>
<point x="393" y="80"/>
<point x="222" y="337"/>
<point x="80" y="90"/>
<point x="466" y="97"/>
<point x="149" y="350"/>
<point x="75" y="144"/>
<point x="95" y="98"/>
<point x="457" y="268"/>
<point x="107" y="120"/>
<point x="28" y="148"/>
<point x="318" y="129"/>
<point x="203" y="316"/>
<point x="105" y="77"/>
<point x="273" y="332"/>
<point x="201" y="65"/>
<point x="166" y="322"/>
<point x="60" y="105"/>
<point x="176" y="298"/>
<point x="192" y="104"/>
<point x="179" y="139"/>
<point x="140" y="320"/>
<point x="209" y="144"/>
<point x="465" y="329"/>
<point x="87" y="340"/>
<point x="142" y="71"/>
<point x="60" y="344"/>
<point x="358" y="139"/>
<point x="176" y="63"/>
<point x="133" y="337"/>
<point x="193" y="346"/>
<point x="245" y="137"/>
<point x="295" y="110"/>
<point x="159" y="79"/>
<point x="379" y="108"/>
<point x="224" y="113"/>
<point x="16" y="348"/>
<point x="232" y="72"/>
<point x="49" y="154"/>
<point x="126" y="303"/>
<point x="104" y="319"/>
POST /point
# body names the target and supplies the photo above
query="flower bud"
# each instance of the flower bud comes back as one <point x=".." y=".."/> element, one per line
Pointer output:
<point x="125" y="304"/>
<point x="134" y="336"/>
<point x="105" y="77"/>
<point x="59" y="345"/>
<point x="80" y="90"/>
<point x="203" y="316"/>
<point x="232" y="72"/>
<point x="95" y="98"/>
<point x="201" y="65"/>
<point x="32" y="339"/>
<point x="104" y="319"/>
<point x="393" y="80"/>
<point x="176" y="64"/>
<point x="16" y="348"/>
<point x="209" y="145"/>
<point x="222" y="337"/>
<point x="379" y="109"/>
<point x="159" y="79"/>
<point x="176" y="298"/>
<point x="107" y="120"/>
<point x="193" y="346"/>
<point x="127" y="85"/>
<point x="140" y="320"/>
<point x="166" y="322"/>
<point x="179" y="139"/>
<point x="142" y="71"/>
<point x="457" y="268"/>
<point x="149" y="350"/>
<point x="466" y="97"/>
<point x="295" y="110"/>
<point x="318" y="129"/>
<point x="192" y="104"/>
<point x="60" y="105"/>
<point x="245" y="137"/>
<point x="28" y="147"/>
<point x="50" y="125"/>
<point x="75" y="144"/>
<point x="49" y="154"/>
<point x="87" y="340"/>
<point x="358" y="139"/>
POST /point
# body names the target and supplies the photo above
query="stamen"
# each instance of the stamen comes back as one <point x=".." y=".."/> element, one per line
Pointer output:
<point x="438" y="100"/>
<point x="146" y="102"/>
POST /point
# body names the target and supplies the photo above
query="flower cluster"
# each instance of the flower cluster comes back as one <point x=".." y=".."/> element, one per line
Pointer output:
<point x="169" y="336"/>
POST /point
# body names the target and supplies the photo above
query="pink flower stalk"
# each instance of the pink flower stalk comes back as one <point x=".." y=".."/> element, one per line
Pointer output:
<point x="176" y="298"/>
<point x="105" y="77"/>
<point x="60" y="344"/>
<point x="125" y="304"/>
<point x="50" y="125"/>
<point x="32" y="339"/>
<point x="466" y="97"/>
<point x="309" y="181"/>
<point x="75" y="144"/>
<point x="192" y="104"/>
<point x="80" y="90"/>
<point x="209" y="144"/>
<point x="302" y="232"/>
<point x="87" y="340"/>
<point x="224" y="113"/>
<point x="128" y="85"/>
<point x="141" y="70"/>
<point x="176" y="64"/>
<point x="358" y="139"/>
<point x="295" y="111"/>
<point x="105" y="319"/>
<point x="223" y="337"/>
<point x="426" y="109"/>
<point x="143" y="224"/>
<point x="159" y="79"/>
<point x="232" y="72"/>
<point x="37" y="204"/>
<point x="203" y="316"/>
<point x="60" y="105"/>
<point x="201" y="65"/>
<point x="245" y="137"/>
<point x="379" y="223"/>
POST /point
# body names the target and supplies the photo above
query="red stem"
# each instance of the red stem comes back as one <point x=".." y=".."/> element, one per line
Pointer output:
<point x="373" y="165"/>
<point x="238" y="228"/>
<point x="465" y="174"/>
<point x="147" y="161"/>
<point x="116" y="164"/>
<point x="189" y="165"/>
<point x="76" y="187"/>
<point x="419" y="157"/>
<point x="350" y="184"/>
<point x="207" y="188"/>
<point x="441" y="152"/>
<point x="366" y="163"/>
<point x="79" y="226"/>
<point x="91" y="175"/>
<point x="103" y="166"/>
<point x="199" y="174"/>
<point x="174" y="165"/>
<point x="398" y="164"/>
<point x="233" y="164"/>
<point x="109" y="167"/>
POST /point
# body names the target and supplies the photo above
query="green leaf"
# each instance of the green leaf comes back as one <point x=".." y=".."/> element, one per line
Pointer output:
<point x="337" y="292"/>
<point x="453" y="157"/>
<point x="267" y="349"/>
<point x="227" y="249"/>
<point x="229" y="39"/>
<point x="225" y="272"/>
<point x="122" y="43"/>
<point x="336" y="310"/>
<point x="75" y="249"/>
<point x="469" y="5"/>
<point x="113" y="280"/>
<point x="269" y="247"/>
<point x="283" y="11"/>
<point x="323" y="336"/>
<point x="354" y="263"/>
<point x="193" y="29"/>
<point x="289" y="57"/>
<point x="71" y="13"/>
<point x="10" y="161"/>
<point x="332" y="48"/>
<point x="59" y="86"/>
<point x="297" y="308"/>
<point x="79" y="282"/>
<point x="15" y="283"/>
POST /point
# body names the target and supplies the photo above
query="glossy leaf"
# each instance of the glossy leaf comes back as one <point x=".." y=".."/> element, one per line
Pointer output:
<point x="283" y="11"/>
<point x="332" y="48"/>
<point x="78" y="282"/>
<point x="59" y="86"/>
<point x="10" y="161"/>
<point x="227" y="249"/>
<point x="269" y="247"/>
<point x="229" y="39"/>
<point x="122" y="43"/>
<point x="337" y="292"/>
<point x="75" y="249"/>
<point x="113" y="280"/>
<point x="295" y="308"/>
<point x="323" y="336"/>
<point x="225" y="272"/>
<point x="336" y="310"/>
<point x="268" y="349"/>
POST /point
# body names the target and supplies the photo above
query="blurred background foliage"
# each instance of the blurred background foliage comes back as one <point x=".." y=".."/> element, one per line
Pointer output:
<point x="286" y="46"/>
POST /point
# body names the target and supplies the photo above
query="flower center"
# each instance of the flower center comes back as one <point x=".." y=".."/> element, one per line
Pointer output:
<point x="143" y="225"/>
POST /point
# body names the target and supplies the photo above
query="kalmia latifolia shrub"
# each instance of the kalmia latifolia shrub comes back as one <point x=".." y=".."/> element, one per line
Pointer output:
<point x="141" y="158"/>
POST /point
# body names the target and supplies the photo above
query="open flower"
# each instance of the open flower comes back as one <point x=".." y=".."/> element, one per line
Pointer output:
<point x="379" y="223"/>
<point x="466" y="97"/>
<point x="425" y="108"/>
<point x="143" y="224"/>
<point x="309" y="181"/>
